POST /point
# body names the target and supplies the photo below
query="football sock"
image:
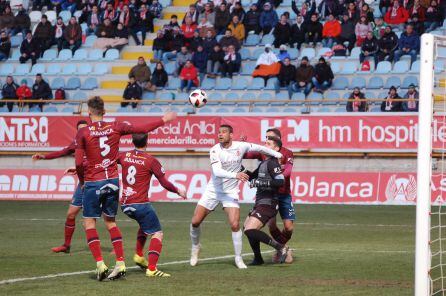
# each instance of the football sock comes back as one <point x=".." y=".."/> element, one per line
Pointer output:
<point x="237" y="241"/>
<point x="195" y="235"/>
<point x="263" y="237"/>
<point x="116" y="239"/>
<point x="286" y="236"/>
<point x="255" y="246"/>
<point x="70" y="225"/>
<point x="94" y="244"/>
<point x="140" y="242"/>
<point x="154" y="252"/>
<point x="278" y="235"/>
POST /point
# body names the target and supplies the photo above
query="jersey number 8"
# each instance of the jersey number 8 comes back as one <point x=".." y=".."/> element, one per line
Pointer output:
<point x="131" y="172"/>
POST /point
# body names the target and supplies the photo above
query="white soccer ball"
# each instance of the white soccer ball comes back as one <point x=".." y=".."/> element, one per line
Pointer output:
<point x="198" y="98"/>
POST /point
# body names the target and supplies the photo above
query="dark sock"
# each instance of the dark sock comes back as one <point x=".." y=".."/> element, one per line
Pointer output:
<point x="255" y="246"/>
<point x="278" y="235"/>
<point x="261" y="236"/>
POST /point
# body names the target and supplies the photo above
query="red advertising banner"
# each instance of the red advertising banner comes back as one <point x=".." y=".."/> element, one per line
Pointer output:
<point x="307" y="187"/>
<point x="380" y="133"/>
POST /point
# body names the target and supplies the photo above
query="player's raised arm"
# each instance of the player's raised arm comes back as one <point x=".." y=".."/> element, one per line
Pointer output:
<point x="57" y="154"/>
<point x="262" y="149"/>
<point x="160" y="174"/>
<point x="145" y="128"/>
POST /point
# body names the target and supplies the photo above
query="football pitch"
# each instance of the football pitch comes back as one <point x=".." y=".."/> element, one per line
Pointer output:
<point x="339" y="250"/>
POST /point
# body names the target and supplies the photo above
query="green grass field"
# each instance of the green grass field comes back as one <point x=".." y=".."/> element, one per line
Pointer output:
<point x="339" y="250"/>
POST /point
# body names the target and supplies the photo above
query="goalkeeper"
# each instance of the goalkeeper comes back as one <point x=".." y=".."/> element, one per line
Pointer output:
<point x="267" y="178"/>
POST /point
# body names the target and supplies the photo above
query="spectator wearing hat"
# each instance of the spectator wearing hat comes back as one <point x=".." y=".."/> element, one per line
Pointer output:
<point x="302" y="79"/>
<point x="369" y="48"/>
<point x="222" y="18"/>
<point x="5" y="46"/>
<point x="175" y="43"/>
<point x="389" y="104"/>
<point x="73" y="35"/>
<point x="412" y="96"/>
<point x="347" y="32"/>
<point x="252" y="20"/>
<point x="29" y="49"/>
<point x="331" y="31"/>
<point x="22" y="22"/>
<point x="323" y="76"/>
<point x="237" y="28"/>
<point x="44" y="34"/>
<point x="9" y="92"/>
<point x="313" y="30"/>
<point x="268" y="18"/>
<point x="282" y="32"/>
<point x="231" y="62"/>
<point x="132" y="92"/>
<point x="41" y="91"/>
<point x="23" y="92"/>
<point x="408" y="44"/>
<point x="283" y="53"/>
<point x="188" y="76"/>
<point x="286" y="75"/>
<point x="357" y="102"/>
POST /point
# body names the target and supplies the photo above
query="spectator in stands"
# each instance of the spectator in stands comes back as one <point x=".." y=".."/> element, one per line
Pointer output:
<point x="330" y="31"/>
<point x="286" y="75"/>
<point x="347" y="32"/>
<point x="237" y="29"/>
<point x="106" y="29"/>
<point x="121" y="37"/>
<point x="208" y="14"/>
<point x="313" y="31"/>
<point x="268" y="18"/>
<point x="193" y="13"/>
<point x="215" y="60"/>
<point x="110" y="13"/>
<point x="228" y="39"/>
<point x="231" y="62"/>
<point x="143" y="23"/>
<point x="327" y="7"/>
<point x="23" y="92"/>
<point x="204" y="27"/>
<point x="159" y="47"/>
<point x="323" y="76"/>
<point x="155" y="9"/>
<point x="417" y="9"/>
<point x="128" y="20"/>
<point x="58" y="30"/>
<point x="222" y="18"/>
<point x="418" y="26"/>
<point x="141" y="73"/>
<point x="367" y="12"/>
<point x="282" y="32"/>
<point x="73" y="35"/>
<point x="56" y="5"/>
<point x="69" y="5"/>
<point x="200" y="60"/>
<point x="397" y="15"/>
<point x="267" y="64"/>
<point x="379" y="27"/>
<point x="389" y="104"/>
<point x="369" y="48"/>
<point x="252" y="20"/>
<point x="29" y="49"/>
<point x="306" y="11"/>
<point x="352" y="12"/>
<point x="298" y="32"/>
<point x="302" y="79"/>
<point x="283" y="53"/>
<point x="384" y="6"/>
<point x="22" y="22"/>
<point x="387" y="45"/>
<point x="175" y="44"/>
<point x="195" y="42"/>
<point x="182" y="57"/>
<point x="9" y="92"/>
<point x="168" y="28"/>
<point x="412" y="96"/>
<point x="7" y="20"/>
<point x="408" y="44"/>
<point x="209" y="42"/>
<point x="188" y="77"/>
<point x="132" y="92"/>
<point x="44" y="34"/>
<point x="237" y="10"/>
<point x="5" y="46"/>
<point x="361" y="30"/>
<point x="357" y="102"/>
<point x="188" y="29"/>
<point x="39" y="4"/>
<point x="159" y="77"/>
<point x="433" y="17"/>
<point x="41" y="91"/>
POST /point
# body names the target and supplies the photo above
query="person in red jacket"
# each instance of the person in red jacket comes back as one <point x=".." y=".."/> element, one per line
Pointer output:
<point x="330" y="31"/>
<point x="188" y="76"/>
<point x="397" y="15"/>
<point x="23" y="92"/>
<point x="188" y="29"/>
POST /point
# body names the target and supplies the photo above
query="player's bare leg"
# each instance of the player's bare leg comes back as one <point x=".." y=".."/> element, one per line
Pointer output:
<point x="154" y="253"/>
<point x="237" y="235"/>
<point x="282" y="236"/>
<point x="195" y="230"/>
<point x="95" y="247"/>
<point x="116" y="239"/>
<point x="70" y="225"/>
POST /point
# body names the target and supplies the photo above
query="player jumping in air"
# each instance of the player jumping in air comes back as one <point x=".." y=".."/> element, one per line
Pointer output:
<point x="226" y="170"/>
<point x="137" y="169"/>
<point x="286" y="209"/>
<point x="99" y="141"/>
<point x="268" y="179"/>
<point x="76" y="203"/>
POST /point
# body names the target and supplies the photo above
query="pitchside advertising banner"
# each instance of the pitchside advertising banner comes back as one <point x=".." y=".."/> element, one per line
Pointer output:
<point x="397" y="132"/>
<point x="307" y="187"/>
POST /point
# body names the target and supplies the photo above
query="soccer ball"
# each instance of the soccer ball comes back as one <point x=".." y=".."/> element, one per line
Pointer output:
<point x="198" y="98"/>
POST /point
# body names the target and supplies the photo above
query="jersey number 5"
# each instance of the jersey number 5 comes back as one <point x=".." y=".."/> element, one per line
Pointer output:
<point x="104" y="146"/>
<point x="131" y="172"/>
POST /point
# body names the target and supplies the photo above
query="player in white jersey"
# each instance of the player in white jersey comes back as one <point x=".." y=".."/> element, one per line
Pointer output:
<point x="226" y="171"/>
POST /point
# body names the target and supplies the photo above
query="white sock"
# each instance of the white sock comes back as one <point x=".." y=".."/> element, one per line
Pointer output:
<point x="238" y="242"/>
<point x="195" y="235"/>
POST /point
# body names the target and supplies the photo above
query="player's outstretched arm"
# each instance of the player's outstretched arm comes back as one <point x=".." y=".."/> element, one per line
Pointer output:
<point x="219" y="172"/>
<point x="159" y="173"/>
<point x="70" y="171"/>
<point x="264" y="150"/>
<point x="53" y="155"/>
<point x="148" y="127"/>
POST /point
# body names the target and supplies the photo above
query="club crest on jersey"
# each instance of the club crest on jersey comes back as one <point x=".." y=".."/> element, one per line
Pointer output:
<point x="277" y="170"/>
<point x="92" y="128"/>
<point x="127" y="154"/>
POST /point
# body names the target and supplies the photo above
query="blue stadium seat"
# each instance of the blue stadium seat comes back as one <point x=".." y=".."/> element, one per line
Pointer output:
<point x="57" y="82"/>
<point x="4" y="109"/>
<point x="340" y="109"/>
<point x="293" y="52"/>
<point x="54" y="69"/>
<point x="223" y="84"/>
<point x="100" y="69"/>
<point x="111" y="54"/>
<point x="245" y="53"/>
<point x="80" y="95"/>
<point x="222" y="110"/>
<point x="239" y="110"/>
<point x="240" y="83"/>
<point x="90" y="83"/>
<point x="382" y="95"/>
<point x="270" y="85"/>
<point x="415" y="67"/>
<point x="33" y="109"/>
<point x="188" y="109"/>
<point x="173" y="83"/>
<point x="38" y="68"/>
<point x="89" y="41"/>
<point x="214" y="98"/>
<point x="252" y="40"/>
<point x="283" y="96"/>
<point x="438" y="66"/>
<point x="15" y="55"/>
<point x="65" y="55"/>
<point x="170" y="68"/>
<point x="148" y="95"/>
<point x="124" y="109"/>
<point x="346" y="95"/>
<point x="49" y="55"/>
<point x="29" y="82"/>
<point x="208" y="83"/>
<point x="332" y="97"/>
<point x="272" y="110"/>
<point x="408" y="80"/>
<point x="35" y="16"/>
<point x="205" y="110"/>
<point x="65" y="15"/>
<point x="249" y="96"/>
<point x="339" y="83"/>
<point x="165" y="3"/>
<point x="349" y="68"/>
<point x="370" y="95"/>
<point x="257" y="110"/>
<point x="22" y="70"/>
<point x="308" y="52"/>
<point x="357" y="82"/>
<point x="257" y="83"/>
<point x="68" y="110"/>
<point x="248" y="68"/>
<point x="298" y="97"/>
<point x="375" y="109"/>
<point x="73" y="83"/>
<point x="165" y="96"/>
<point x="267" y="39"/>
<point x="315" y="96"/>
<point x="401" y="67"/>
<point x="323" y="51"/>
<point x="335" y="67"/>
<point x="393" y="81"/>
<point x="256" y="53"/>
<point x="264" y="96"/>
<point x="95" y="55"/>
<point x="232" y="96"/>
<point x="289" y="110"/>
<point x="84" y="69"/>
<point x="80" y="55"/>
<point x="69" y="69"/>
<point x="356" y="51"/>
<point x="323" y="110"/>
<point x="16" y="41"/>
<point x="50" y="109"/>
<point x="6" y="69"/>
<point x="376" y="82"/>
<point x="383" y="67"/>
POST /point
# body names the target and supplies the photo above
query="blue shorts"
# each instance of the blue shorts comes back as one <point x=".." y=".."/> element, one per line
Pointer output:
<point x="286" y="208"/>
<point x="101" y="197"/>
<point x="77" y="197"/>
<point x="145" y="215"/>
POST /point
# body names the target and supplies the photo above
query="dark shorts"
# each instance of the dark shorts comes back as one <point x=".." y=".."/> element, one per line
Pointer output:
<point x="77" y="197"/>
<point x="101" y="197"/>
<point x="286" y="208"/>
<point x="265" y="212"/>
<point x="145" y="215"/>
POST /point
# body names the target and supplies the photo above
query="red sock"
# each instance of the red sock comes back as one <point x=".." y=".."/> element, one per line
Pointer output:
<point x="154" y="253"/>
<point x="70" y="225"/>
<point x="278" y="236"/>
<point x="140" y="242"/>
<point x="286" y="235"/>
<point x="94" y="244"/>
<point x="116" y="239"/>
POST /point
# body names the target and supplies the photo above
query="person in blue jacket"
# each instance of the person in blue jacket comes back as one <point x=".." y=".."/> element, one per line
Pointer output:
<point x="268" y="18"/>
<point x="408" y="44"/>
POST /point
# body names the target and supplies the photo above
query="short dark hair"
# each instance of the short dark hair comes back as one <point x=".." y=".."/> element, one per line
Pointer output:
<point x="82" y="121"/>
<point x="140" y="140"/>
<point x="231" y="130"/>
<point x="96" y="105"/>
<point x="44" y="16"/>
<point x="276" y="131"/>
<point x="174" y="16"/>
<point x="277" y="141"/>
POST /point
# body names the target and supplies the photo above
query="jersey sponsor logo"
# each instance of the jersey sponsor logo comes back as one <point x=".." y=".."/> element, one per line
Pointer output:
<point x="128" y="154"/>
<point x="135" y="161"/>
<point x="105" y="164"/>
<point x="128" y="191"/>
<point x="401" y="189"/>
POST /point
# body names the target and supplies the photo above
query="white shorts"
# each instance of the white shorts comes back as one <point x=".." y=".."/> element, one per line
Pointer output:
<point x="210" y="200"/>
